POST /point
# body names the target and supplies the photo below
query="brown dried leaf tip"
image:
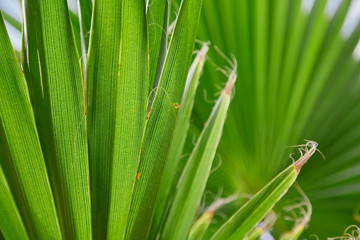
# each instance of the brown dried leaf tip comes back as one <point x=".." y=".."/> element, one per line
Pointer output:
<point x="229" y="72"/>
<point x="306" y="150"/>
<point x="230" y="83"/>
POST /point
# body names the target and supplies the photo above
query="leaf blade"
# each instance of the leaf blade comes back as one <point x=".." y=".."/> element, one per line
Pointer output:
<point x="194" y="177"/>
<point x="101" y="82"/>
<point x="171" y="169"/>
<point x="13" y="227"/>
<point x="162" y="118"/>
<point x="253" y="211"/>
<point x="19" y="126"/>
<point x="60" y="76"/>
<point x="246" y="218"/>
<point x="131" y="103"/>
<point x="158" y="21"/>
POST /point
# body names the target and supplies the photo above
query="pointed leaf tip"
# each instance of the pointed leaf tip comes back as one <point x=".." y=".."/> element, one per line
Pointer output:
<point x="203" y="51"/>
<point x="309" y="149"/>
<point x="230" y="83"/>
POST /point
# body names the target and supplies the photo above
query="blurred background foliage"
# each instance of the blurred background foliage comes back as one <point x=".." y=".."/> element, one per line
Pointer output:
<point x="298" y="78"/>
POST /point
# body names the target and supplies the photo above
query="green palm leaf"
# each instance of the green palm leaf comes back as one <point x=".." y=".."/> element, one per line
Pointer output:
<point x="18" y="122"/>
<point x="101" y="83"/>
<point x="96" y="133"/>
